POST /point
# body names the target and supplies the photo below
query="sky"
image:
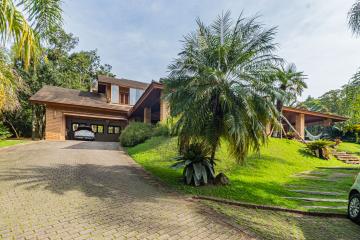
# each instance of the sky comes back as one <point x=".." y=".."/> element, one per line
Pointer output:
<point x="140" y="38"/>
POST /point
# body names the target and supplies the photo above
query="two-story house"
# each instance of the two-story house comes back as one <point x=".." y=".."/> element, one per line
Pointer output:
<point x="115" y="102"/>
<point x="107" y="109"/>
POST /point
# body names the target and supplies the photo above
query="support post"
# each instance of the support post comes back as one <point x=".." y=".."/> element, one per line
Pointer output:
<point x="147" y="115"/>
<point x="164" y="108"/>
<point x="33" y="122"/>
<point x="300" y="124"/>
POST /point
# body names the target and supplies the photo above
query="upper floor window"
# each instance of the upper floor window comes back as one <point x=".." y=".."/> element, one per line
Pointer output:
<point x="114" y="93"/>
<point x="135" y="94"/>
<point x="101" y="88"/>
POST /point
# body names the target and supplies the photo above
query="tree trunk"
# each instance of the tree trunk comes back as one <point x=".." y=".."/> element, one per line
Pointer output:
<point x="33" y="123"/>
<point x="12" y="127"/>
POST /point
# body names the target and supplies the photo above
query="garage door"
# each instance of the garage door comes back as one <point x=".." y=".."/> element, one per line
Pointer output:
<point x="105" y="130"/>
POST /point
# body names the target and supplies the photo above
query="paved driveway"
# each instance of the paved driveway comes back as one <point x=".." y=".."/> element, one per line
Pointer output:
<point x="91" y="190"/>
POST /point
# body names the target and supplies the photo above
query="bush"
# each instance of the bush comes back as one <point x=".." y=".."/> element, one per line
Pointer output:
<point x="161" y="130"/>
<point x="4" y="132"/>
<point x="320" y="148"/>
<point x="196" y="164"/>
<point x="135" y="133"/>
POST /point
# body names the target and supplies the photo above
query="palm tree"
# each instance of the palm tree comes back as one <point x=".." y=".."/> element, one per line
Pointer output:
<point x="290" y="81"/>
<point x="216" y="86"/>
<point x="354" y="18"/>
<point x="27" y="32"/>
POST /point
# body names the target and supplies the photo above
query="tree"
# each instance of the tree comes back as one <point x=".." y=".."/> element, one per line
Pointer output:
<point x="290" y="81"/>
<point x="216" y="85"/>
<point x="26" y="23"/>
<point x="61" y="66"/>
<point x="354" y="18"/>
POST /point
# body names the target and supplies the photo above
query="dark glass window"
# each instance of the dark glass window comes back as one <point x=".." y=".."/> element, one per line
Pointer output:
<point x="110" y="129"/>
<point x="101" y="88"/>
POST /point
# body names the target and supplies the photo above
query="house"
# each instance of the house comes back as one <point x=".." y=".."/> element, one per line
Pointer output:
<point x="116" y="101"/>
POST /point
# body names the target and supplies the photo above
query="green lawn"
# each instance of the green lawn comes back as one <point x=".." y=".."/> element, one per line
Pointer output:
<point x="349" y="147"/>
<point x="6" y="143"/>
<point x="268" y="224"/>
<point x="265" y="178"/>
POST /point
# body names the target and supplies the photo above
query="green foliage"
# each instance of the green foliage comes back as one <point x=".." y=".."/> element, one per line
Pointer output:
<point x="61" y="66"/>
<point x="4" y="132"/>
<point x="263" y="179"/>
<point x="290" y="81"/>
<point x="220" y="82"/>
<point x="161" y="129"/>
<point x="354" y="18"/>
<point x="321" y="148"/>
<point x="195" y="161"/>
<point x="135" y="133"/>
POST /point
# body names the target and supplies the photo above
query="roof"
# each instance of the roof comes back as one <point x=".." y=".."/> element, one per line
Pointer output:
<point x="65" y="96"/>
<point x="122" y="82"/>
<point x="316" y="114"/>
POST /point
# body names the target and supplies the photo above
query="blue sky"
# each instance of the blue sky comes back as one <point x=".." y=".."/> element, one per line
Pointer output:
<point x="140" y="38"/>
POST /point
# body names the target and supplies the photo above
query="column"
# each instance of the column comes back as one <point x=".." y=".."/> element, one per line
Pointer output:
<point x="147" y="115"/>
<point x="164" y="108"/>
<point x="300" y="124"/>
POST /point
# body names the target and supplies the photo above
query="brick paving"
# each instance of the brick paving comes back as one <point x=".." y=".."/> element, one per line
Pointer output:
<point x="91" y="190"/>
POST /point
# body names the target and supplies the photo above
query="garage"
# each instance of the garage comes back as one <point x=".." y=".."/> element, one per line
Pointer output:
<point x="106" y="130"/>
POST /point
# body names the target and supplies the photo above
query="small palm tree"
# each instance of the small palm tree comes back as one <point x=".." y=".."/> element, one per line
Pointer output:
<point x="217" y="85"/>
<point x="27" y="32"/>
<point x="290" y="81"/>
<point x="354" y="18"/>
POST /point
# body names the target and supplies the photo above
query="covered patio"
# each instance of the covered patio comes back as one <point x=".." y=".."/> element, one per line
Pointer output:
<point x="300" y="119"/>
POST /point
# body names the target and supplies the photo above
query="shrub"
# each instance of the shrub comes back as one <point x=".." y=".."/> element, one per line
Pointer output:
<point x="135" y="133"/>
<point x="320" y="148"/>
<point x="196" y="164"/>
<point x="4" y="132"/>
<point x="161" y="130"/>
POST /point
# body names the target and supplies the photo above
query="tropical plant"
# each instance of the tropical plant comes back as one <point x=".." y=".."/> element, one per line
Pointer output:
<point x="354" y="18"/>
<point x="320" y="148"/>
<point x="196" y="163"/>
<point x="4" y="132"/>
<point x="135" y="133"/>
<point x="216" y="86"/>
<point x="290" y="81"/>
<point x="26" y="23"/>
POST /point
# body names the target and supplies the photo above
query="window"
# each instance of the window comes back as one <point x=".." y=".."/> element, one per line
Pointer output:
<point x="101" y="88"/>
<point x="113" y="129"/>
<point x="135" y="94"/>
<point x="100" y="128"/>
<point x="93" y="127"/>
<point x="114" y="93"/>
<point x="74" y="126"/>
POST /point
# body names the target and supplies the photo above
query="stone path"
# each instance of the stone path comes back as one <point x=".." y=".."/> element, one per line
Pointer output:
<point x="90" y="190"/>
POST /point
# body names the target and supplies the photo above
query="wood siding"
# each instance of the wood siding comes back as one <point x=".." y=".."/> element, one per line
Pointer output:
<point x="56" y="115"/>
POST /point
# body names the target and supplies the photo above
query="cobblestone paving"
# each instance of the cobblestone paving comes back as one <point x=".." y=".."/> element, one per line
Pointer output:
<point x="91" y="190"/>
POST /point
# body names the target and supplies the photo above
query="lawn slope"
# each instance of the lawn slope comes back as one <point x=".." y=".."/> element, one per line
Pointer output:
<point x="264" y="178"/>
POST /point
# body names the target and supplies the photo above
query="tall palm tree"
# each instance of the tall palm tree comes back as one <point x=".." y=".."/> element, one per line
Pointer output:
<point x="216" y="85"/>
<point x="290" y="81"/>
<point x="28" y="26"/>
<point x="354" y="18"/>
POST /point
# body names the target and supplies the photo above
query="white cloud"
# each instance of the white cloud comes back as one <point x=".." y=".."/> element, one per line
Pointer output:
<point x="140" y="38"/>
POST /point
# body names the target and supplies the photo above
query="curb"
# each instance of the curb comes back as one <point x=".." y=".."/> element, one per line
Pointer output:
<point x="265" y="207"/>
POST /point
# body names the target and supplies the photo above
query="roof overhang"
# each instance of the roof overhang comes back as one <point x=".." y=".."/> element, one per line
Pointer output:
<point x="148" y="98"/>
<point x="311" y="116"/>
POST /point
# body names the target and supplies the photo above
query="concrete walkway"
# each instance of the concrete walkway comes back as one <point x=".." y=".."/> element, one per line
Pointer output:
<point x="91" y="190"/>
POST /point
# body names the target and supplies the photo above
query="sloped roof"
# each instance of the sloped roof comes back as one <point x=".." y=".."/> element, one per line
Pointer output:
<point x="59" y="95"/>
<point x="122" y="82"/>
